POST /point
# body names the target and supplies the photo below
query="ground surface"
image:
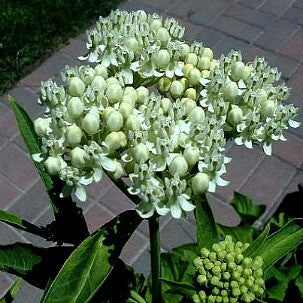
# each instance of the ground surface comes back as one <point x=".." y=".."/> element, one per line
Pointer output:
<point x="270" y="28"/>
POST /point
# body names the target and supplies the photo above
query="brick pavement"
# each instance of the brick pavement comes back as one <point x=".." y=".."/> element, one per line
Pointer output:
<point x="270" y="28"/>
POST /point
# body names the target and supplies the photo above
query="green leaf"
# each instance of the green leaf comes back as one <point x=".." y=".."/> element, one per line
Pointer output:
<point x="93" y="260"/>
<point x="183" y="288"/>
<point x="31" y="140"/>
<point x="256" y="246"/>
<point x="281" y="243"/>
<point x="299" y="283"/>
<point x="243" y="233"/>
<point x="207" y="233"/>
<point x="12" y="292"/>
<point x="187" y="252"/>
<point x="244" y="206"/>
<point x="19" y="223"/>
<point x="33" y="264"/>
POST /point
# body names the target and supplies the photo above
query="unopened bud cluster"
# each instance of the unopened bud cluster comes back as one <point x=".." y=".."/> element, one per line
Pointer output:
<point x="226" y="275"/>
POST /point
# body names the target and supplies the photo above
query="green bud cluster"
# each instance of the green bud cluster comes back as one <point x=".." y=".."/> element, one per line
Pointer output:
<point x="226" y="275"/>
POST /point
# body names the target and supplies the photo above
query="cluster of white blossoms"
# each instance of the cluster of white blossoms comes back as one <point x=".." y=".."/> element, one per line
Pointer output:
<point x="169" y="143"/>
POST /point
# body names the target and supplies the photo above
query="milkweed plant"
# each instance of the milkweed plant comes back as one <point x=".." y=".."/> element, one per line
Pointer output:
<point x="154" y="114"/>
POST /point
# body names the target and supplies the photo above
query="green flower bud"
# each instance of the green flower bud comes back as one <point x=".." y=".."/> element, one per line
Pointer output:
<point x="165" y="104"/>
<point x="191" y="155"/>
<point x="216" y="270"/>
<point x="246" y="72"/>
<point x="53" y="165"/>
<point x="123" y="139"/>
<point x="113" y="141"/>
<point x="259" y="282"/>
<point x="125" y="109"/>
<point x="141" y="153"/>
<point x="205" y="74"/>
<point x="239" y="258"/>
<point x="191" y="58"/>
<point x="162" y="58"/>
<point x="205" y="252"/>
<point x="186" y="69"/>
<point x="119" y="171"/>
<point x="189" y="105"/>
<point x="213" y="64"/>
<point x="196" y="115"/>
<point x="133" y="123"/>
<point x="107" y="112"/>
<point x="201" y="279"/>
<point x="176" y="89"/>
<point x="99" y="82"/>
<point x="236" y="275"/>
<point x="101" y="71"/>
<point x="73" y="135"/>
<point x="198" y="262"/>
<point x="230" y="91"/>
<point x="212" y="256"/>
<point x="204" y="63"/>
<point x="224" y="293"/>
<point x="194" y="76"/>
<point x="243" y="289"/>
<point x="184" y="82"/>
<point x="196" y="298"/>
<point x="132" y="44"/>
<point x="225" y="300"/>
<point x="155" y="24"/>
<point x="258" y="273"/>
<point x="255" y="288"/>
<point x="249" y="283"/>
<point x="90" y="123"/>
<point x="178" y="166"/>
<point x="112" y="80"/>
<point x="184" y="51"/>
<point x="143" y="94"/>
<point x="216" y="291"/>
<point x="191" y="93"/>
<point x="128" y="99"/>
<point x="75" y="107"/>
<point x="231" y="265"/>
<point x="268" y="108"/>
<point x="247" y="262"/>
<point x="200" y="183"/>
<point x="223" y="266"/>
<point x="241" y="280"/>
<point x="87" y="74"/>
<point x="258" y="262"/>
<point x="114" y="121"/>
<point x="226" y="275"/>
<point x="247" y="272"/>
<point x="202" y="294"/>
<point x="221" y="255"/>
<point x="40" y="126"/>
<point x="79" y="157"/>
<point x="162" y="35"/>
<point x="235" y="115"/>
<point x="237" y="70"/>
<point x="211" y="299"/>
<point x="164" y="85"/>
<point x="207" y="52"/>
<point x="114" y="93"/>
<point x="75" y="87"/>
<point x="219" y="299"/>
<point x="236" y="292"/>
<point x="214" y="281"/>
<point x="262" y="95"/>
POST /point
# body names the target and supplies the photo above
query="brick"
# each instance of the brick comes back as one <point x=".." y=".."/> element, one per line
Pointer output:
<point x="290" y="150"/>
<point x="8" y="192"/>
<point x="177" y="232"/>
<point x="133" y="248"/>
<point x="294" y="14"/>
<point x="191" y="30"/>
<point x="137" y="4"/>
<point x="184" y="9"/>
<point x="294" y="46"/>
<point x="276" y="7"/>
<point x="96" y="190"/>
<point x="277" y="35"/>
<point x="142" y="263"/>
<point x="3" y="141"/>
<point x="159" y="5"/>
<point x="97" y="216"/>
<point x="230" y="43"/>
<point x="17" y="166"/>
<point x="28" y="294"/>
<point x="32" y="204"/>
<point x="207" y="10"/>
<point x="8" y="126"/>
<point x="299" y="130"/>
<point x="295" y="82"/>
<point x="244" y="162"/>
<point x="76" y="47"/>
<point x="5" y="284"/>
<point x="144" y="229"/>
<point x="252" y="3"/>
<point x="285" y="64"/>
<point x="298" y="4"/>
<point x="9" y="235"/>
<point x="268" y="181"/>
<point x="250" y="16"/>
<point x="236" y="28"/>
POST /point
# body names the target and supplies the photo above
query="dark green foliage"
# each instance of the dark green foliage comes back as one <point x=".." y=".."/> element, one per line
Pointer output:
<point x="31" y="29"/>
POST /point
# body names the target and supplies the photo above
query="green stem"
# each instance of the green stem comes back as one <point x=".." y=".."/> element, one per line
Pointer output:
<point x="154" y="234"/>
<point x="136" y="297"/>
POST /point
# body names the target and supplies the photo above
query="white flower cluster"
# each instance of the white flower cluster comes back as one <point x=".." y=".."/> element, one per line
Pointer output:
<point x="171" y="143"/>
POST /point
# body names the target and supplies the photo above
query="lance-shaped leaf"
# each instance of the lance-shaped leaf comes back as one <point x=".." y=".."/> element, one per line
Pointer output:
<point x="207" y="233"/>
<point x="91" y="263"/>
<point x="35" y="265"/>
<point x="17" y="222"/>
<point x="12" y="292"/>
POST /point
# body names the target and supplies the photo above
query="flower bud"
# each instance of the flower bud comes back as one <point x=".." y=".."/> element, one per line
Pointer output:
<point x="176" y="89"/>
<point x="114" y="121"/>
<point x="75" y="107"/>
<point x="52" y="165"/>
<point x="40" y="126"/>
<point x="76" y="87"/>
<point x="87" y="74"/>
<point x="237" y="70"/>
<point x="143" y="94"/>
<point x="178" y="166"/>
<point x="268" y="108"/>
<point x="235" y="116"/>
<point x="156" y="24"/>
<point x="186" y="69"/>
<point x="132" y="44"/>
<point x="79" y="157"/>
<point x="204" y="63"/>
<point x="133" y="123"/>
<point x="164" y="85"/>
<point x="165" y="104"/>
<point x="201" y="279"/>
<point x="90" y="123"/>
<point x="99" y="82"/>
<point x="112" y="80"/>
<point x="191" y="155"/>
<point x="184" y="50"/>
<point x="128" y="99"/>
<point x="194" y="77"/>
<point x="213" y="64"/>
<point x="196" y="298"/>
<point x="205" y="74"/>
<point x="125" y="109"/>
<point x="207" y="52"/>
<point x="189" y="105"/>
<point x="262" y="95"/>
<point x="114" y="93"/>
<point x="184" y="82"/>
<point x="191" y="93"/>
<point x="119" y="171"/>
<point x="200" y="183"/>
<point x="191" y="58"/>
<point x="123" y="139"/>
<point x="131" y="92"/>
<point x="101" y="71"/>
<point x="107" y="112"/>
<point x="141" y="153"/>
<point x="73" y="135"/>
<point x="196" y="115"/>
<point x="113" y="141"/>
<point x="246" y="72"/>
<point x="162" y="35"/>
<point x="230" y="91"/>
<point x="162" y="58"/>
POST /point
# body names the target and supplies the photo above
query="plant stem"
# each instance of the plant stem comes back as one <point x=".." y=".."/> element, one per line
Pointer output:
<point x="154" y="234"/>
<point x="136" y="297"/>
